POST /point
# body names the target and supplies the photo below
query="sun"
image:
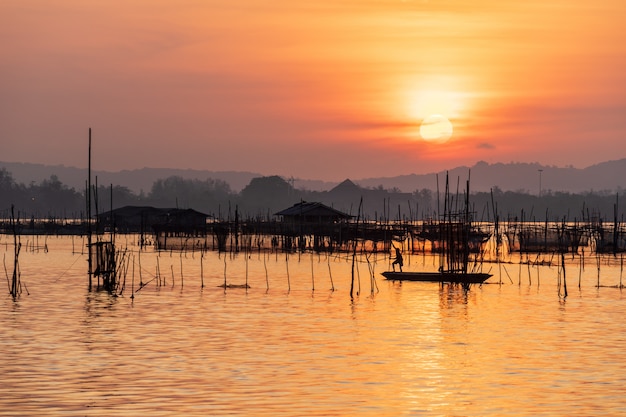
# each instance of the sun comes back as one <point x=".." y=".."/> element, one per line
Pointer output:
<point x="436" y="129"/>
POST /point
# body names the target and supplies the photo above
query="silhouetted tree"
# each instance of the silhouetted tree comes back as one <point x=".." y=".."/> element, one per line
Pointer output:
<point x="53" y="199"/>
<point x="267" y="194"/>
<point x="205" y="196"/>
<point x="122" y="196"/>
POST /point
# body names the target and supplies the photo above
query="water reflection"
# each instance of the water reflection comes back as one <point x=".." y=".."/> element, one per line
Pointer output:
<point x="96" y="301"/>
<point x="451" y="295"/>
<point x="287" y="349"/>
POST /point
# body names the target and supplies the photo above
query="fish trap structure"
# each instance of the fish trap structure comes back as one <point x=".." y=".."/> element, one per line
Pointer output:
<point x="103" y="265"/>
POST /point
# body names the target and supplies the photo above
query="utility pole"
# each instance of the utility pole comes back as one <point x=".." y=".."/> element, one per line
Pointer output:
<point x="540" y="171"/>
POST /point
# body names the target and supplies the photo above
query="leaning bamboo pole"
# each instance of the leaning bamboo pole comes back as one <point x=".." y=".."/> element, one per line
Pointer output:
<point x="15" y="281"/>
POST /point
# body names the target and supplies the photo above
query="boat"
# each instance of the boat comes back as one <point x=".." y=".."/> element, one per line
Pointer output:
<point x="443" y="277"/>
<point x="454" y="245"/>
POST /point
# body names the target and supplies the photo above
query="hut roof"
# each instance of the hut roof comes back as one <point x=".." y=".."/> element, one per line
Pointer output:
<point x="312" y="209"/>
<point x="134" y="211"/>
<point x="346" y="187"/>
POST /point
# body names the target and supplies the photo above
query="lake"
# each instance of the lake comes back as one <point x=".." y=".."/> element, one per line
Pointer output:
<point x="290" y="345"/>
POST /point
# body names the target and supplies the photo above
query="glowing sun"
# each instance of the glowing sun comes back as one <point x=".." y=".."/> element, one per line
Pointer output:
<point x="436" y="129"/>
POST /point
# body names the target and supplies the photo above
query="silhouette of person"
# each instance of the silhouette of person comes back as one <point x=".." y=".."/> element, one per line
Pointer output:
<point x="399" y="261"/>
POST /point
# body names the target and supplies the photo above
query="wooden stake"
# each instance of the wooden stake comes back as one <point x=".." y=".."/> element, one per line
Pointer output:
<point x="201" y="269"/>
<point x="564" y="280"/>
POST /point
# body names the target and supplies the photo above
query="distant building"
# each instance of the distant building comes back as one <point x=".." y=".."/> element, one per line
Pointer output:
<point x="304" y="220"/>
<point x="312" y="213"/>
<point x="129" y="219"/>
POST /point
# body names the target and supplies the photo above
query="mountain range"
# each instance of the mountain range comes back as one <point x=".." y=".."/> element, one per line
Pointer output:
<point x="532" y="178"/>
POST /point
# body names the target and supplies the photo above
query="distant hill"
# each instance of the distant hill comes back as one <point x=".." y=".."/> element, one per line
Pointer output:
<point x="136" y="180"/>
<point x="606" y="176"/>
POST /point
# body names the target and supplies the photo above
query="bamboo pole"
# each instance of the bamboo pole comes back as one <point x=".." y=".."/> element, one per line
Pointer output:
<point x="312" y="275"/>
<point x="201" y="269"/>
<point x="88" y="197"/>
<point x="564" y="279"/>
<point x="182" y="278"/>
<point x="287" y="266"/>
<point x="267" y="281"/>
<point x="15" y="282"/>
<point x="224" y="273"/>
<point x="132" y="281"/>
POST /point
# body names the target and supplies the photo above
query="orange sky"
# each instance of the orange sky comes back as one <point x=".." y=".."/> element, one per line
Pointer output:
<point x="327" y="90"/>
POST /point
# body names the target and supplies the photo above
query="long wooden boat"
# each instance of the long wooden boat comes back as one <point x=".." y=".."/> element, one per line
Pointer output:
<point x="451" y="277"/>
<point x="453" y="243"/>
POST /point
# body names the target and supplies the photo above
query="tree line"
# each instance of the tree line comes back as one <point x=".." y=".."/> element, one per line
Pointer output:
<point x="264" y="196"/>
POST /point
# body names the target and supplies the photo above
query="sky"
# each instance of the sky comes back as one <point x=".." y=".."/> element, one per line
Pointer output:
<point x="325" y="89"/>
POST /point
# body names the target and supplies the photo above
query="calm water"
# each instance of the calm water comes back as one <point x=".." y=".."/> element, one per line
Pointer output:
<point x="414" y="349"/>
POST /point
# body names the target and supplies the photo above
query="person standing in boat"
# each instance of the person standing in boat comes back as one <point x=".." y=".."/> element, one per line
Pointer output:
<point x="398" y="261"/>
